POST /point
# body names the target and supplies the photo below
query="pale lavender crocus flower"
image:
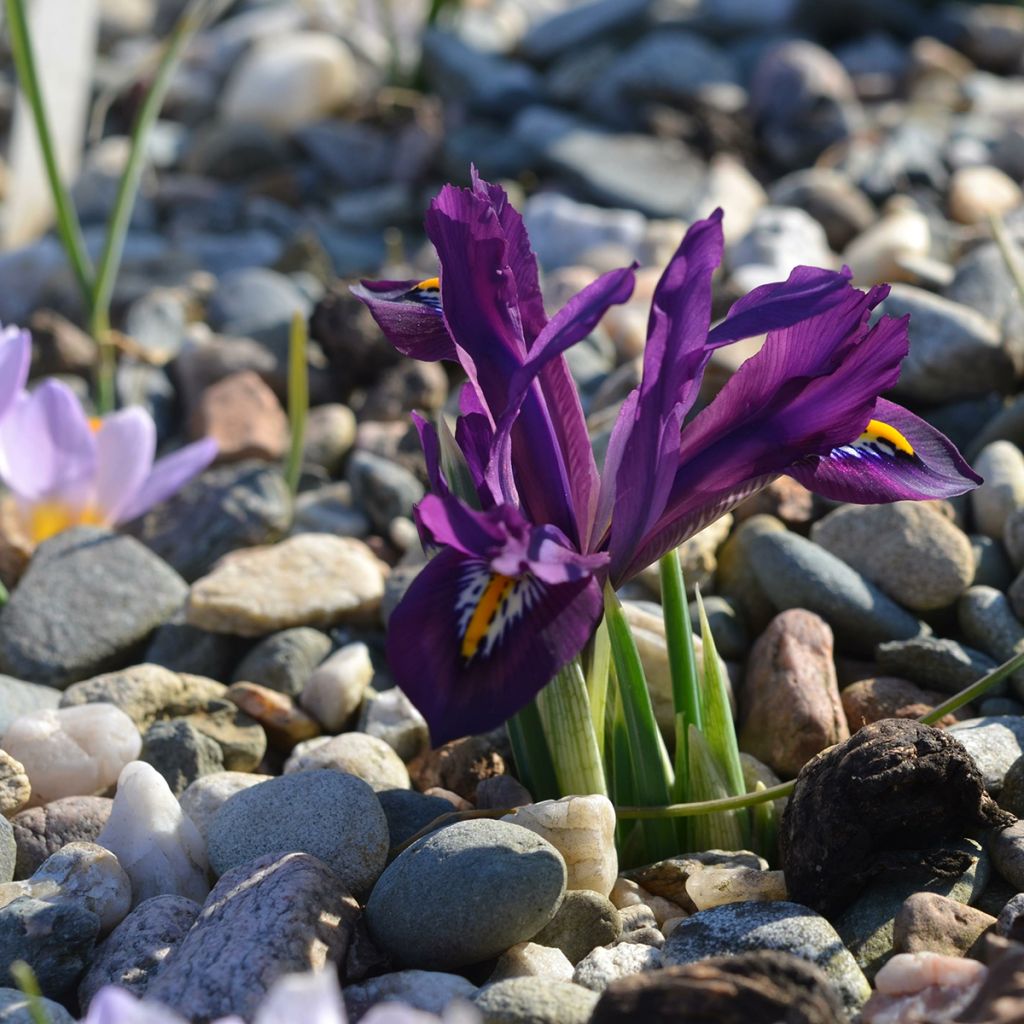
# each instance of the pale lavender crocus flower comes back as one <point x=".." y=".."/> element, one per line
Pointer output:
<point x="65" y="469"/>
<point x="15" y="356"/>
<point x="313" y="998"/>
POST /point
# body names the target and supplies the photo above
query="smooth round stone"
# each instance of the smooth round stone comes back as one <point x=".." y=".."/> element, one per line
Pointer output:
<point x="977" y="193"/>
<point x="76" y="751"/>
<point x="910" y="550"/>
<point x="1007" y="849"/>
<point x="313" y="579"/>
<point x="18" y="698"/>
<point x="392" y="717"/>
<point x="408" y="811"/>
<point x="1001" y="465"/>
<point x="284" y="661"/>
<point x="987" y="620"/>
<point x="330" y="434"/>
<point x="784" y="926"/>
<point x="603" y="965"/>
<point x="180" y="753"/>
<point x="994" y="743"/>
<point x="205" y="797"/>
<point x="535" y="1001"/>
<point x="15" y="1008"/>
<point x="42" y="831"/>
<point x="429" y="991"/>
<point x="797" y="573"/>
<point x="876" y="254"/>
<point x="936" y="662"/>
<point x="335" y="690"/>
<point x="367" y="757"/>
<point x="584" y="921"/>
<point x="382" y="488"/>
<point x="465" y="893"/>
<point x="329" y="814"/>
<point x="582" y="829"/>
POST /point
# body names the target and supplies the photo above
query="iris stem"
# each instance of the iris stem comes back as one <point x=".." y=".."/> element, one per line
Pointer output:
<point x="298" y="398"/>
<point x="569" y="728"/>
<point x="68" y="226"/>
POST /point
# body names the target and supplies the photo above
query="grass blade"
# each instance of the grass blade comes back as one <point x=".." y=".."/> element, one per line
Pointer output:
<point x="454" y="467"/>
<point x="534" y="766"/>
<point x="597" y="663"/>
<point x="726" y="829"/>
<point x="298" y="398"/>
<point x="68" y="226"/>
<point x="648" y="759"/>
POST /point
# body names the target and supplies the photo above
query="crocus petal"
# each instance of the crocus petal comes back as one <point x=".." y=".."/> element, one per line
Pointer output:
<point x="673" y="358"/>
<point x="810" y="389"/>
<point x="408" y="316"/>
<point x="470" y="646"/>
<point x="807" y="292"/>
<point x="112" y="1005"/>
<point x="314" y="997"/>
<point x="169" y="475"/>
<point x="898" y="457"/>
<point x="49" y="449"/>
<point x="125" y="446"/>
<point x="15" y="356"/>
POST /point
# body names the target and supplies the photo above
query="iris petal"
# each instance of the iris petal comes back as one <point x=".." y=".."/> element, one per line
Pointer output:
<point x="910" y="460"/>
<point x="470" y="646"/>
<point x="412" y="323"/>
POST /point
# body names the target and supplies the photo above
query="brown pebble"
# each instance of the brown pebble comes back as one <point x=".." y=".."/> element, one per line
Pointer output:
<point x="871" y="700"/>
<point x="930" y="923"/>
<point x="244" y="417"/>
<point x="459" y="765"/>
<point x="284" y="723"/>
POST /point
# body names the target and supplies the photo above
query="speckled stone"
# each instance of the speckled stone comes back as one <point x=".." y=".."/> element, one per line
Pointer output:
<point x="988" y="622"/>
<point x="465" y="893"/>
<point x="585" y="919"/>
<point x="994" y="743"/>
<point x="356" y="753"/>
<point x="430" y="991"/>
<point x="329" y="814"/>
<point x="42" y="831"/>
<point x="937" y="663"/>
<point x="284" y="661"/>
<point x="535" y="1001"/>
<point x="603" y="965"/>
<point x="784" y="926"/>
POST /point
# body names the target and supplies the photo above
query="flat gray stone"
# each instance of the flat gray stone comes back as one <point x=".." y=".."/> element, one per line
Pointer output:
<point x="935" y="663"/>
<point x="994" y="742"/>
<point x="87" y="603"/>
<point x="430" y="991"/>
<point x="135" y="951"/>
<point x="988" y="622"/>
<point x="284" y="661"/>
<point x="465" y="893"/>
<point x="14" y="1009"/>
<point x="331" y="815"/>
<point x="785" y="926"/>
<point x="535" y="1000"/>
<point x="272" y="916"/>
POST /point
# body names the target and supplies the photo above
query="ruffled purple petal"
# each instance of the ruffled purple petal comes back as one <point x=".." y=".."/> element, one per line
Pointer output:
<point x="673" y="360"/>
<point x="810" y="388"/>
<point x="807" y="292"/>
<point x="125" y="446"/>
<point x="898" y="457"/>
<point x="411" y="322"/>
<point x="470" y="646"/>
<point x="169" y="475"/>
<point x="15" y="356"/>
<point x="49" y="449"/>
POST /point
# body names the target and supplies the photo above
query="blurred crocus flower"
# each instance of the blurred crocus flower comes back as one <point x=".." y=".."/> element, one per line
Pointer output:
<point x="515" y="590"/>
<point x="64" y="469"/>
<point x="313" y="998"/>
<point x="15" y="356"/>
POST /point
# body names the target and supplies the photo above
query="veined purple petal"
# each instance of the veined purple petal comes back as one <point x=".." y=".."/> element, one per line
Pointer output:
<point x="673" y="359"/>
<point x="169" y="475"/>
<point x="431" y="445"/>
<point x="408" y="316"/>
<point x="453" y="524"/>
<point x="125" y="446"/>
<point x="49" y="449"/>
<point x="808" y="390"/>
<point x="470" y="646"/>
<point x="807" y="292"/>
<point x="15" y="356"/>
<point x="898" y="457"/>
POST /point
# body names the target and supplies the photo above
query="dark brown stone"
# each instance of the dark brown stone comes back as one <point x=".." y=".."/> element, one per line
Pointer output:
<point x="876" y="802"/>
<point x="871" y="700"/>
<point x="458" y="766"/>
<point x="762" y="987"/>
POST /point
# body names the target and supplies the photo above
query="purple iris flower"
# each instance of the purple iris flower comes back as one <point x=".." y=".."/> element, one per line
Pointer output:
<point x="515" y="590"/>
<point x="64" y="469"/>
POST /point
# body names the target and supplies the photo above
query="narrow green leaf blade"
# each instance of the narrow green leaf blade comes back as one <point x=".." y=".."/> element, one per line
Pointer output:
<point x="298" y="398"/>
<point x="454" y="467"/>
<point x="724" y="830"/>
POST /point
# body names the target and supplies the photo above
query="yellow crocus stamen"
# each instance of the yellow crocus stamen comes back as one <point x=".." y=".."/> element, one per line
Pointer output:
<point x="95" y="422"/>
<point x="47" y="518"/>
<point x="486" y="608"/>
<point x="876" y="430"/>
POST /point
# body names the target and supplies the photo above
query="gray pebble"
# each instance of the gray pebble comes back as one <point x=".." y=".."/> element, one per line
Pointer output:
<point x="994" y="743"/>
<point x="604" y="965"/>
<point x="991" y="566"/>
<point x="408" y="811"/>
<point x="179" y="647"/>
<point x="14" y="1009"/>
<point x="1011" y="918"/>
<point x="585" y="919"/>
<point x="781" y="925"/>
<point x="18" y="698"/>
<point x="536" y="1000"/>
<point x="8" y="851"/>
<point x="1001" y="464"/>
<point x="934" y="663"/>
<point x="796" y="573"/>
<point x="429" y="991"/>
<point x="988" y="622"/>
<point x="86" y="602"/>
<point x="284" y="661"/>
<point x="329" y="814"/>
<point x="1007" y="849"/>
<point x="465" y="893"/>
<point x="382" y="488"/>
<point x="180" y="753"/>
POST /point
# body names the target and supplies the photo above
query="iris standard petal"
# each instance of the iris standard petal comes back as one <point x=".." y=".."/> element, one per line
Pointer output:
<point x="809" y="389"/>
<point x="125" y="446"/>
<point x="807" y="292"/>
<point x="169" y="475"/>
<point x="897" y="457"/>
<point x="471" y="646"/>
<point x="15" y="356"/>
<point x="673" y="359"/>
<point x="409" y="314"/>
<point x="49" y="448"/>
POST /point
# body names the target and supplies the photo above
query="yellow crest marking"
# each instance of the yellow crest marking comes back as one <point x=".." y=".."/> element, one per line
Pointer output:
<point x="496" y="591"/>
<point x="430" y="284"/>
<point x="876" y="430"/>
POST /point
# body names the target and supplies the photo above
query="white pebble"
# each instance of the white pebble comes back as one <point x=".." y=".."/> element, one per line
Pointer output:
<point x="154" y="840"/>
<point x="335" y="690"/>
<point x="714" y="887"/>
<point x="582" y="829"/>
<point x="907" y="973"/>
<point x="531" y="960"/>
<point x="604" y="965"/>
<point x="76" y="751"/>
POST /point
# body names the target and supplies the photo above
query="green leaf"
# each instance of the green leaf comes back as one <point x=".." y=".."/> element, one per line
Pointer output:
<point x="597" y="664"/>
<point x="530" y="750"/>
<point x="724" y="830"/>
<point x="25" y="978"/>
<point x="298" y="398"/>
<point x="454" y="467"/>
<point x="648" y="759"/>
<point x="764" y="827"/>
